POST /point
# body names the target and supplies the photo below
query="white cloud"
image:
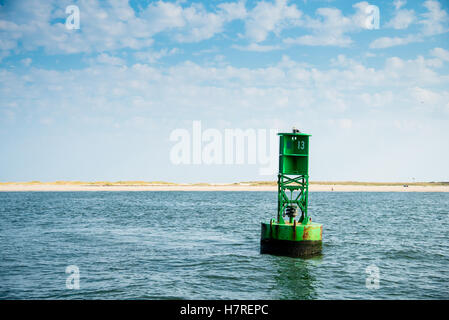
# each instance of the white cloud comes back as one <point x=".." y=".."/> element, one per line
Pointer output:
<point x="331" y="28"/>
<point x="399" y="3"/>
<point x="102" y="27"/>
<point x="425" y="96"/>
<point x="430" y="101"/>
<point x="26" y="62"/>
<point x="327" y="31"/>
<point x="435" y="20"/>
<point x="233" y="10"/>
<point x="163" y="16"/>
<point x="257" y="47"/>
<point x="109" y="26"/>
<point x="402" y="19"/>
<point x="151" y="56"/>
<point x="378" y="99"/>
<point x="193" y="23"/>
<point x="29" y="25"/>
<point x="440" y="53"/>
<point x="268" y="17"/>
<point x="386" y="42"/>
<point x="342" y="61"/>
<point x="107" y="59"/>
<point x="200" y="24"/>
<point x="146" y="90"/>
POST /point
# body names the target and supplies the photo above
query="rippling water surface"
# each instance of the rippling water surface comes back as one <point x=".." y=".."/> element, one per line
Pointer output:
<point x="205" y="245"/>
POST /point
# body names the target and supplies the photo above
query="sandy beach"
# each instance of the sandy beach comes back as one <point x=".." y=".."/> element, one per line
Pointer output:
<point x="218" y="187"/>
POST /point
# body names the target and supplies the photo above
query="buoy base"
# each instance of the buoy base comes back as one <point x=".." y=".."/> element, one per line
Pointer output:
<point x="296" y="249"/>
<point x="293" y="240"/>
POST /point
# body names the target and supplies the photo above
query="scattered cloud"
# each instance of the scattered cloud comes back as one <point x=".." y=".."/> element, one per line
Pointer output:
<point x="386" y="42"/>
<point x="257" y="47"/>
<point x="26" y="62"/>
<point x="151" y="56"/>
<point x="233" y="10"/>
<point x="425" y="96"/>
<point x="144" y="90"/>
<point x="268" y="17"/>
<point x="433" y="22"/>
<point x="107" y="59"/>
<point x="111" y="26"/>
<point x="199" y="24"/>
<point x="331" y="28"/>
<point x="440" y="53"/>
<point x="402" y="19"/>
<point x="105" y="26"/>
<point x="399" y="3"/>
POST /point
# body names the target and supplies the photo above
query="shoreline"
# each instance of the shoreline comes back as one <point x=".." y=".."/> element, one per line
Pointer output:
<point x="16" y="187"/>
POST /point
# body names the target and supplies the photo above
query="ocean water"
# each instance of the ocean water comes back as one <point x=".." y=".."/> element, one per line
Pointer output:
<point x="205" y="245"/>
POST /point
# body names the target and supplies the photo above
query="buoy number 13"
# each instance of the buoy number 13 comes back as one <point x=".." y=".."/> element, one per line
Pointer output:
<point x="301" y="145"/>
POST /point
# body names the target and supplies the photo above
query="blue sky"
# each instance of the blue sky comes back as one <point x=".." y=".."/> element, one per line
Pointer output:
<point x="100" y="102"/>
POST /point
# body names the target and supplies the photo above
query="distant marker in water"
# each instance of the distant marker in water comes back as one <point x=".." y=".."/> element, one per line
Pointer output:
<point x="288" y="235"/>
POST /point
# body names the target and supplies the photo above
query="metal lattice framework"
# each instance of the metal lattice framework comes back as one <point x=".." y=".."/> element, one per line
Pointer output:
<point x="287" y="186"/>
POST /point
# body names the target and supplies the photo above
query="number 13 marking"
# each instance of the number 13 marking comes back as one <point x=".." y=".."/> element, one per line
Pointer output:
<point x="301" y="145"/>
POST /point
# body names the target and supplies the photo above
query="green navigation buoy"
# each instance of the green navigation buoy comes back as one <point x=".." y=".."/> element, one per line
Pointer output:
<point x="290" y="235"/>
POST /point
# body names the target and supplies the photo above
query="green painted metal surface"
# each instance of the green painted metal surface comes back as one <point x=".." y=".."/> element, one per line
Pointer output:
<point x="293" y="177"/>
<point x="294" y="143"/>
<point x="294" y="153"/>
<point x="294" y="232"/>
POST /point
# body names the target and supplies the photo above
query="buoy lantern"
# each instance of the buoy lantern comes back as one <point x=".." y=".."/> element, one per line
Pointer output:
<point x="291" y="234"/>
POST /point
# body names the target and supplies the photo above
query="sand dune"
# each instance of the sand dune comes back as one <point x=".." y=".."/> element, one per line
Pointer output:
<point x="216" y="187"/>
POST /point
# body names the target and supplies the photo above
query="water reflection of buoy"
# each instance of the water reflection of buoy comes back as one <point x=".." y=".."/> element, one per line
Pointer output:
<point x="289" y="235"/>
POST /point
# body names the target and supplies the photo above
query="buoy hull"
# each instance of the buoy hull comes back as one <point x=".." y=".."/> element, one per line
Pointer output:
<point x="293" y="240"/>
